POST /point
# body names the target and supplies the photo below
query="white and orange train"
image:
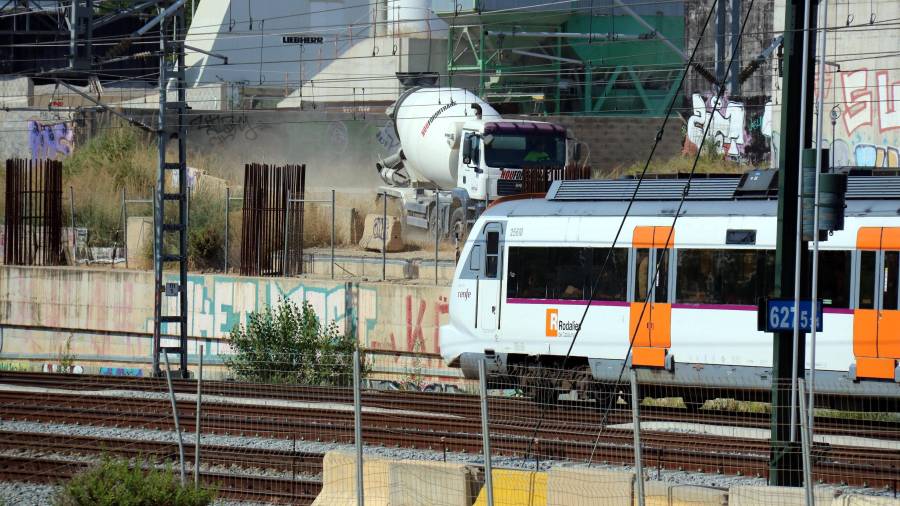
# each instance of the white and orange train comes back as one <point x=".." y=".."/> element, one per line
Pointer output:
<point x="525" y="273"/>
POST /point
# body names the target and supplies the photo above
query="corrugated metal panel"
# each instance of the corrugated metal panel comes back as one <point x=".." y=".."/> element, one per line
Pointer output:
<point x="656" y="189"/>
<point x="873" y="187"/>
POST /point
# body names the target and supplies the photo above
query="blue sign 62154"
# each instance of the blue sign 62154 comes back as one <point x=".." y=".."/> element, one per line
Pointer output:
<point x="779" y="315"/>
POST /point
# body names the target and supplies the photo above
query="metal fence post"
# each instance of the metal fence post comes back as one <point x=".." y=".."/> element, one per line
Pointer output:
<point x="357" y="428"/>
<point x="124" y="226"/>
<point x="485" y="433"/>
<point x="175" y="416"/>
<point x="437" y="231"/>
<point x="333" y="212"/>
<point x="197" y="422"/>
<point x="805" y="443"/>
<point x="636" y="426"/>
<point x="284" y="253"/>
<point x="384" y="237"/>
<point x="227" y="210"/>
<point x="74" y="234"/>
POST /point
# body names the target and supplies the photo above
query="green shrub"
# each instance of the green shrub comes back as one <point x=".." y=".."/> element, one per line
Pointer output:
<point x="116" y="482"/>
<point x="288" y="344"/>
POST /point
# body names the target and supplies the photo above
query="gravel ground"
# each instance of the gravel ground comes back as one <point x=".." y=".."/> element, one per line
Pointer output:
<point x="26" y="494"/>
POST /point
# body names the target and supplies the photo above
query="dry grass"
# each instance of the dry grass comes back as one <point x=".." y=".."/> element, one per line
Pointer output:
<point x="708" y="163"/>
<point x="97" y="172"/>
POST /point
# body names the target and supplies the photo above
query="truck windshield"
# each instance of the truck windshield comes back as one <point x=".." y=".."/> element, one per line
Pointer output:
<point x="517" y="151"/>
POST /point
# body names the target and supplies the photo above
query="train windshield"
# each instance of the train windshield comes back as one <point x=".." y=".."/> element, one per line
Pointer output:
<point x="513" y="151"/>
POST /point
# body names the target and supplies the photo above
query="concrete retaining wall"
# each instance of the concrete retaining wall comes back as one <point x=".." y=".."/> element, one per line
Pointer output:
<point x="385" y="316"/>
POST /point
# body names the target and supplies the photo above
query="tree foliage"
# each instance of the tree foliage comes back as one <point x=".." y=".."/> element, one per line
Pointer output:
<point x="288" y="344"/>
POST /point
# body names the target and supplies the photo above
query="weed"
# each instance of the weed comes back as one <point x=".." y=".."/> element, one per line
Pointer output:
<point x="116" y="481"/>
<point x="65" y="358"/>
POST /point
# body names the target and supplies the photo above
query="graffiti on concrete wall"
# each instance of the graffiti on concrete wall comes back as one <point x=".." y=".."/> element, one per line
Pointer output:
<point x="384" y="317"/>
<point x="866" y="130"/>
<point x="218" y="303"/>
<point x="862" y="125"/>
<point x="222" y="129"/>
<point x="50" y="140"/>
<point x="736" y="130"/>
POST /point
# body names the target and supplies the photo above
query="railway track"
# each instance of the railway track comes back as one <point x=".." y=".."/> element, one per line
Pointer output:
<point x="465" y="405"/>
<point x="450" y="422"/>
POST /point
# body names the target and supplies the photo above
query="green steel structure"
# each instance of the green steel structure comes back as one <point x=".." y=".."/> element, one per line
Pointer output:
<point x="619" y="57"/>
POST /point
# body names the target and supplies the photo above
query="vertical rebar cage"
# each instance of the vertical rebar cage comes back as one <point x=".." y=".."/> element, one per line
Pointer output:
<point x="272" y="227"/>
<point x="33" y="224"/>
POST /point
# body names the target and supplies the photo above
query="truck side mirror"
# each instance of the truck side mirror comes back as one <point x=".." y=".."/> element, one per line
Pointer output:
<point x="467" y="150"/>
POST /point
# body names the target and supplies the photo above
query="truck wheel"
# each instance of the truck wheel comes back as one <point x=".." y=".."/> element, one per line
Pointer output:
<point x="457" y="229"/>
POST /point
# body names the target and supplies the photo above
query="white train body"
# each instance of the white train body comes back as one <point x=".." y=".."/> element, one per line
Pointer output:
<point x="702" y="325"/>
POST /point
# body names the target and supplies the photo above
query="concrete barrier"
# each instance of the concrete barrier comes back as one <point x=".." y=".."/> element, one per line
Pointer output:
<point x="338" y="480"/>
<point x="864" y="500"/>
<point x="516" y="488"/>
<point x="427" y="483"/>
<point x="373" y="233"/>
<point x="658" y="493"/>
<point x="782" y="496"/>
<point x="393" y="482"/>
<point x="573" y="486"/>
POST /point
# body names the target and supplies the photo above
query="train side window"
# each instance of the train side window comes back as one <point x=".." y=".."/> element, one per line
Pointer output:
<point x="661" y="280"/>
<point x="475" y="258"/>
<point x="867" y="279"/>
<point x="612" y="279"/>
<point x="834" y="278"/>
<point x="492" y="254"/>
<point x="706" y="276"/>
<point x="890" y="285"/>
<point x="641" y="272"/>
<point x="567" y="273"/>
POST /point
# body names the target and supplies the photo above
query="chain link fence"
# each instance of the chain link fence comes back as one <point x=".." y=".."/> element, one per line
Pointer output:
<point x="309" y="428"/>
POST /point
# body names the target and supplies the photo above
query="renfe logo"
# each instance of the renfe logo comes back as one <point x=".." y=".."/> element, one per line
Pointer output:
<point x="552" y="322"/>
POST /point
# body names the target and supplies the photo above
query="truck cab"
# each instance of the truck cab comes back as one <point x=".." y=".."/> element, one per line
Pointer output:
<point x="493" y="155"/>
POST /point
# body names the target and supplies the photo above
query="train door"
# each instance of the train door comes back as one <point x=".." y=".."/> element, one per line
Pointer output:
<point x="876" y="314"/>
<point x="490" y="284"/>
<point x="651" y="325"/>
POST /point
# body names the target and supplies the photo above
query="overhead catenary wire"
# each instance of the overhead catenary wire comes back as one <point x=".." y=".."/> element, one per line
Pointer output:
<point x="621" y="226"/>
<point x="668" y="241"/>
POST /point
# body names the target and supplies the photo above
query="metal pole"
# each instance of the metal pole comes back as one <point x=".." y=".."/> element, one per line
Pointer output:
<point x="227" y="210"/>
<point x="485" y="433"/>
<point x="124" y="226"/>
<point x="175" y="416"/>
<point x="636" y="426"/>
<point x="798" y="247"/>
<point x="814" y="292"/>
<point x="197" y="422"/>
<point x="357" y="428"/>
<point x="74" y="234"/>
<point x="437" y="231"/>
<point x="785" y="458"/>
<point x="284" y="252"/>
<point x="384" y="237"/>
<point x="333" y="211"/>
<point x="805" y="448"/>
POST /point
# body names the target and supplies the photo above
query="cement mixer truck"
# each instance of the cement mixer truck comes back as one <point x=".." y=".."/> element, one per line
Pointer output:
<point x="457" y="154"/>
